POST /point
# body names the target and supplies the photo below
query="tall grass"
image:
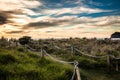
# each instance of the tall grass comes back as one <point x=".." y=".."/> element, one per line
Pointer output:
<point x="20" y="65"/>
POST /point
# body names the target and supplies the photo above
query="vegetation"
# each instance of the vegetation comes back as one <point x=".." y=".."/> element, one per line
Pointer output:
<point x="16" y="63"/>
<point x="25" y="40"/>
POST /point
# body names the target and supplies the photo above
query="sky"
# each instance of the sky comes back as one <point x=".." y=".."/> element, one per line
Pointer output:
<point x="59" y="18"/>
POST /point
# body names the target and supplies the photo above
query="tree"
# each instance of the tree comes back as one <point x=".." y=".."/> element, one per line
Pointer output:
<point x="24" y="40"/>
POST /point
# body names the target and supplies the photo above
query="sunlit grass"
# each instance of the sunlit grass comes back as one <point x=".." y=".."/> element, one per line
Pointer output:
<point x="16" y="65"/>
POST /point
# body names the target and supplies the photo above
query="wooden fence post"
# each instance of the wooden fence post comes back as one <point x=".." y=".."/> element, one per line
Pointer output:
<point x="42" y="53"/>
<point x="108" y="62"/>
<point x="16" y="44"/>
<point x="117" y="65"/>
<point x="108" y="59"/>
<point x="72" y="50"/>
<point x="52" y="45"/>
<point x="78" y="73"/>
<point x="77" y="70"/>
<point x="25" y="47"/>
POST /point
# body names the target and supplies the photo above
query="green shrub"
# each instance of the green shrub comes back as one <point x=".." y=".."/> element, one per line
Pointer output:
<point x="7" y="58"/>
<point x="21" y="49"/>
<point x="86" y="63"/>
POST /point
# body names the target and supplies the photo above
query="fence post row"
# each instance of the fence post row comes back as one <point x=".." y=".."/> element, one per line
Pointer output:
<point x="76" y="69"/>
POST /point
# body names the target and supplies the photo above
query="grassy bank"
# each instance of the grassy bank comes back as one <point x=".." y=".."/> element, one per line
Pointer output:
<point x="18" y="64"/>
<point x="21" y="65"/>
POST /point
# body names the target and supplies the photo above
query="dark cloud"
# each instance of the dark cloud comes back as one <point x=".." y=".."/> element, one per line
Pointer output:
<point x="13" y="32"/>
<point x="2" y="19"/>
<point x="41" y="24"/>
<point x="50" y="31"/>
<point x="54" y="22"/>
<point x="50" y="23"/>
<point x="5" y="16"/>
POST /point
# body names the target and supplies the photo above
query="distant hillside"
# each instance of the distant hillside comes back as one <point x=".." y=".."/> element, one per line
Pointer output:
<point x="115" y="35"/>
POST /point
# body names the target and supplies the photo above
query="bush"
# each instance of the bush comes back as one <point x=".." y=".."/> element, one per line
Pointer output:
<point x="86" y="63"/>
<point x="6" y="59"/>
<point x="21" y="49"/>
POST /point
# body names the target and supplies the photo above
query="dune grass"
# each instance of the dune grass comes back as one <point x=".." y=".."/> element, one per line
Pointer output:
<point x="19" y="64"/>
<point x="16" y="65"/>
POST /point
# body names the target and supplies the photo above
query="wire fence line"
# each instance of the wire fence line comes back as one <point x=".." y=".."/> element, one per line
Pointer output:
<point x="89" y="54"/>
<point x="92" y="56"/>
<point x="83" y="52"/>
<point x="28" y="47"/>
<point x="55" y="59"/>
<point x="57" y="47"/>
<point x="96" y="56"/>
<point x="109" y="58"/>
<point x="76" y="69"/>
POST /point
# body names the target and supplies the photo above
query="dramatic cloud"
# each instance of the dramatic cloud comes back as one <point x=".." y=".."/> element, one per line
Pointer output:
<point x="59" y="18"/>
<point x="9" y="5"/>
<point x="14" y="32"/>
<point x="64" y="21"/>
<point x="10" y="10"/>
<point x="2" y="19"/>
<point x="75" y="10"/>
<point x="5" y="16"/>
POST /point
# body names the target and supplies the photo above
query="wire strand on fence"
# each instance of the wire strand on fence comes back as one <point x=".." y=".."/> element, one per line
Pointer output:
<point x="55" y="58"/>
<point x="88" y="54"/>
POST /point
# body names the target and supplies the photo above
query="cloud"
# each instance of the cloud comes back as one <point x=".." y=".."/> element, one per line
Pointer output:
<point x="13" y="32"/>
<point x="55" y="18"/>
<point x="18" y="4"/>
<point x="75" y="10"/>
<point x="7" y="17"/>
<point x="107" y="21"/>
<point x="51" y="31"/>
<point x="43" y="22"/>
<point x="46" y="21"/>
<point x="31" y="3"/>
<point x="74" y="1"/>
<point x="17" y="11"/>
<point x="4" y="17"/>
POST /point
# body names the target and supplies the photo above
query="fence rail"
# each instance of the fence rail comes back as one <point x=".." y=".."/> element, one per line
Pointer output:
<point x="76" y="69"/>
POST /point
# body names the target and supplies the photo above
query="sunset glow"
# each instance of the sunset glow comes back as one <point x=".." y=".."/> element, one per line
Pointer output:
<point x="59" y="18"/>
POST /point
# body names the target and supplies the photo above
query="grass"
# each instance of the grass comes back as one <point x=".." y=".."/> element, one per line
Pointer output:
<point x="93" y="69"/>
<point x="19" y="64"/>
<point x="91" y="74"/>
<point x="22" y="65"/>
